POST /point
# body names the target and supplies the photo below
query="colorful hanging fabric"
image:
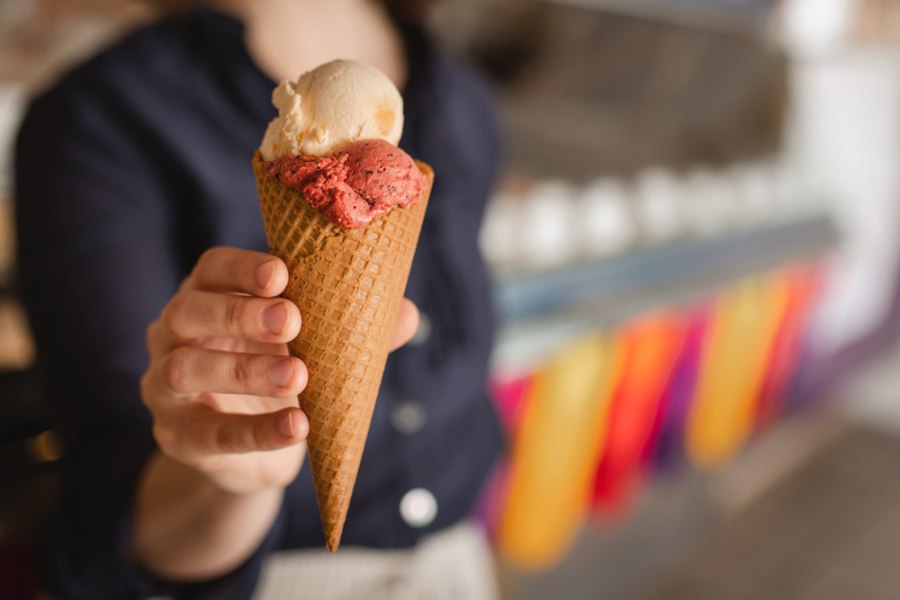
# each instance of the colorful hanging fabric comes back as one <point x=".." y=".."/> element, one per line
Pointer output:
<point x="803" y="285"/>
<point x="651" y="348"/>
<point x="489" y="506"/>
<point x="555" y="453"/>
<point x="509" y="392"/>
<point x="745" y="321"/>
<point x="665" y="442"/>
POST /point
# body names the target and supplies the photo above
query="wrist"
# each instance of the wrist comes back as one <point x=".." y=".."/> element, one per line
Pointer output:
<point x="212" y="483"/>
<point x="188" y="526"/>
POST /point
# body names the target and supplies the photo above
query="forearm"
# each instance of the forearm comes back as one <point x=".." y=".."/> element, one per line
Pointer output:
<point x="187" y="529"/>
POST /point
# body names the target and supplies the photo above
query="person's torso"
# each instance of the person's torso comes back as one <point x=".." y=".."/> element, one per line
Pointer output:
<point x="434" y="435"/>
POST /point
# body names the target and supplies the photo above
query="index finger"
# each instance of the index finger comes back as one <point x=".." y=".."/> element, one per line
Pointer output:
<point x="225" y="269"/>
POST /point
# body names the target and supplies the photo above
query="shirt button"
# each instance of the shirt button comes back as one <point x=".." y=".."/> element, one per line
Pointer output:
<point x="418" y="508"/>
<point x="423" y="332"/>
<point x="408" y="417"/>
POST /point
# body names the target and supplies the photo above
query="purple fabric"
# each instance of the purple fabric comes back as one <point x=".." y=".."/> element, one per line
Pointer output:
<point x="815" y="376"/>
<point x="675" y="404"/>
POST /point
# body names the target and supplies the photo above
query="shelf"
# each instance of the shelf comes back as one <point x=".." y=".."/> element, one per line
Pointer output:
<point x="541" y="311"/>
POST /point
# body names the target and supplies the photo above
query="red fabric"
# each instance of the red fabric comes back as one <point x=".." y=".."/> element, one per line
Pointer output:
<point x="788" y="344"/>
<point x="652" y="347"/>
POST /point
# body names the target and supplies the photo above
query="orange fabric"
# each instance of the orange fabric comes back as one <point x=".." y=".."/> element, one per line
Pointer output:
<point x="651" y="348"/>
<point x="803" y="283"/>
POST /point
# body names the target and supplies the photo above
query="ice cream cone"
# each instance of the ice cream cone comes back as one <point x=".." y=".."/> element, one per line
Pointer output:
<point x="348" y="285"/>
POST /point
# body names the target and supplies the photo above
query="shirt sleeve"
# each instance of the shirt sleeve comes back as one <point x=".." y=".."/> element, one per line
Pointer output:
<point x="97" y="260"/>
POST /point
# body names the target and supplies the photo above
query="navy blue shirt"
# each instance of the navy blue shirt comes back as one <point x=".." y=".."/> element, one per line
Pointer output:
<point x="133" y="165"/>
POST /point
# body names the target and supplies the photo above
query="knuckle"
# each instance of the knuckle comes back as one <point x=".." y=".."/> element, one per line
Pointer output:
<point x="146" y="388"/>
<point x="260" y="435"/>
<point x="227" y="438"/>
<point x="235" y="314"/>
<point x="206" y="260"/>
<point x="176" y="369"/>
<point x="156" y="337"/>
<point x="205" y="313"/>
<point x="171" y="314"/>
<point x="235" y="265"/>
<point x="244" y="372"/>
<point x="166" y="438"/>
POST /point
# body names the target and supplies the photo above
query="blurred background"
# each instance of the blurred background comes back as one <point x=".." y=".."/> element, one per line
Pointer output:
<point x="695" y="252"/>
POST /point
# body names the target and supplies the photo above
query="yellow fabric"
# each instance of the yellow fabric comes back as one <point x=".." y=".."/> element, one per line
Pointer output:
<point x="556" y="452"/>
<point x="735" y="359"/>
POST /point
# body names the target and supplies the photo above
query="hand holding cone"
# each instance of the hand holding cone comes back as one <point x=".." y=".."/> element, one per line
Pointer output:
<point x="348" y="284"/>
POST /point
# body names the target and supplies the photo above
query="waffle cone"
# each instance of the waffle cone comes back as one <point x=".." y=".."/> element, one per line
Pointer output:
<point x="348" y="285"/>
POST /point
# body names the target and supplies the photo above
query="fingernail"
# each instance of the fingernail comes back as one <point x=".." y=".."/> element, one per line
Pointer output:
<point x="286" y="425"/>
<point x="274" y="317"/>
<point x="280" y="373"/>
<point x="264" y="273"/>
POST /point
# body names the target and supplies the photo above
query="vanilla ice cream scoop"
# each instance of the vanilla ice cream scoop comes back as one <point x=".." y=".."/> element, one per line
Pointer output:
<point x="336" y="103"/>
